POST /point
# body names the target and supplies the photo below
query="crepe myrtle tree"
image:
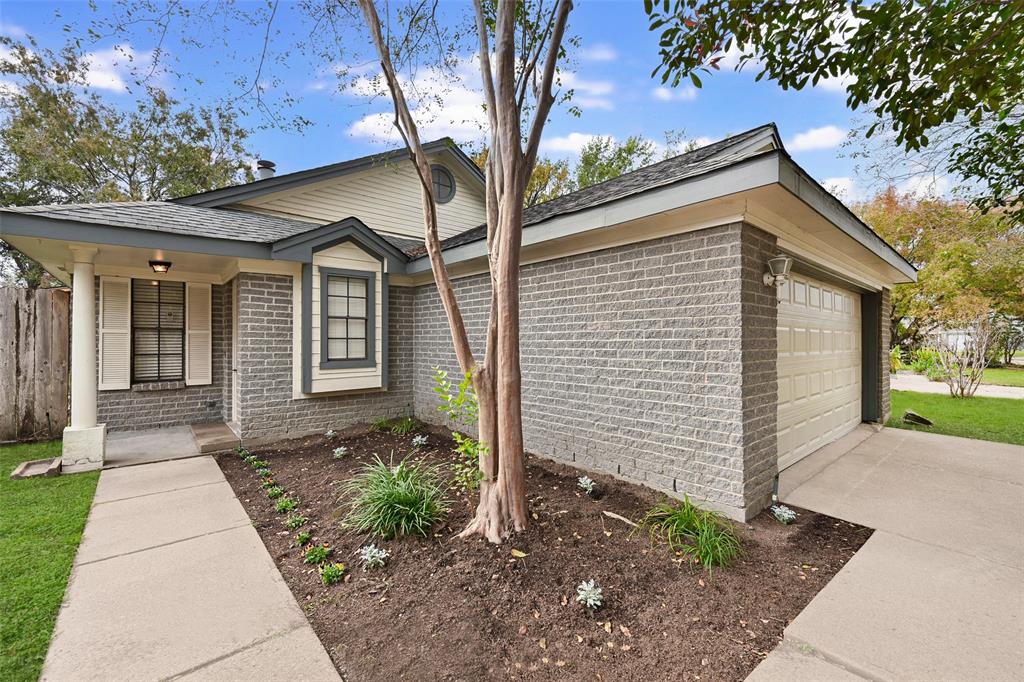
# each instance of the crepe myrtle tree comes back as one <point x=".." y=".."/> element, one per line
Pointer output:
<point x="519" y="47"/>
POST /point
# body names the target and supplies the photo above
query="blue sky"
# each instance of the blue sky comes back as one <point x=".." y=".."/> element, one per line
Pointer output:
<point x="611" y="78"/>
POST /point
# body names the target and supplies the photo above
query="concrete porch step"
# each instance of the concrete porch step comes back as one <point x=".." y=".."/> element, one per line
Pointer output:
<point x="213" y="437"/>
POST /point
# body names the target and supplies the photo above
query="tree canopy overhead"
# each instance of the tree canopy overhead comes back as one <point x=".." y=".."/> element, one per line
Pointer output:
<point x="953" y="70"/>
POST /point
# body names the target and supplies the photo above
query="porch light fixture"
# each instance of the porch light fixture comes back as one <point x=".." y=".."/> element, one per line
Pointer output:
<point x="778" y="270"/>
<point x="160" y="266"/>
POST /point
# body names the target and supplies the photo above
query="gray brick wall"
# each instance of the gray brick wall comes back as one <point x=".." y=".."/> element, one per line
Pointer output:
<point x="633" y="362"/>
<point x="884" y="336"/>
<point x="151" y="406"/>
<point x="760" y="373"/>
<point x="265" y="366"/>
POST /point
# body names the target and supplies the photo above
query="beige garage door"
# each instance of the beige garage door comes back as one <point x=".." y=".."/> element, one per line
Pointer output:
<point x="819" y="366"/>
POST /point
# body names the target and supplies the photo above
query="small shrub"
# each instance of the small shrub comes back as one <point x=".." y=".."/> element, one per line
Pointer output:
<point x="406" y="499"/>
<point x="268" y="483"/>
<point x="590" y="595"/>
<point x="466" y="469"/>
<point x="373" y="556"/>
<point x="382" y="424"/>
<point x="587" y="485"/>
<point x="702" y="535"/>
<point x="295" y="521"/>
<point x="330" y="434"/>
<point x="264" y="472"/>
<point x="896" y="359"/>
<point x="275" y="491"/>
<point x="332" y="573"/>
<point x="419" y="441"/>
<point x="936" y="373"/>
<point x="339" y="452"/>
<point x="241" y="452"/>
<point x="258" y="464"/>
<point x="405" y="426"/>
<point x="285" y="504"/>
<point x="303" y="538"/>
<point x="783" y="514"/>
<point x="249" y="459"/>
<point x="924" y="359"/>
<point x="317" y="554"/>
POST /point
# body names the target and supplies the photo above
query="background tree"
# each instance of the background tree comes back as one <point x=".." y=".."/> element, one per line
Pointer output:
<point x="60" y="142"/>
<point x="952" y="71"/>
<point x="966" y="261"/>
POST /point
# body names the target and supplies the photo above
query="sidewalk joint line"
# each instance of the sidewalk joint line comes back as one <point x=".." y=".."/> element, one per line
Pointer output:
<point x="161" y="492"/>
<point x="164" y="544"/>
<point x="234" y="652"/>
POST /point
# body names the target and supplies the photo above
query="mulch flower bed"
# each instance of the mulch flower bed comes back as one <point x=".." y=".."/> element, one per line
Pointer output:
<point x="450" y="609"/>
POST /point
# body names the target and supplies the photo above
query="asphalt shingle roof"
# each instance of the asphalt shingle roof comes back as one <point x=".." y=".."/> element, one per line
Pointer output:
<point x="656" y="175"/>
<point x="164" y="216"/>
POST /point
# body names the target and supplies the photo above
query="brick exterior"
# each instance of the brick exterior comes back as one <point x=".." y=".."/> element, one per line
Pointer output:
<point x="265" y="366"/>
<point x="633" y="362"/>
<point x="152" y="406"/>
<point x="760" y="388"/>
<point x="884" y="339"/>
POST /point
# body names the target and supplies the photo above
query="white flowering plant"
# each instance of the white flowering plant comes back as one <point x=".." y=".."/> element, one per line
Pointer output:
<point x="373" y="556"/>
<point x="419" y="441"/>
<point x="783" y="514"/>
<point x="340" y="452"/>
<point x="586" y="484"/>
<point x="331" y="433"/>
<point x="589" y="594"/>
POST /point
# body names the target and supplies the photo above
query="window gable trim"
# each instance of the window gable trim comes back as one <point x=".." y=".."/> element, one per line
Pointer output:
<point x="371" y="318"/>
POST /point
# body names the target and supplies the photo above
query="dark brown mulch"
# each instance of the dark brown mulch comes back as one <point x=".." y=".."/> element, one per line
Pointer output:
<point x="451" y="609"/>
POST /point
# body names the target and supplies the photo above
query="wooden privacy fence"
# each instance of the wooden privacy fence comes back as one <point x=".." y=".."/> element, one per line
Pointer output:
<point x="35" y="339"/>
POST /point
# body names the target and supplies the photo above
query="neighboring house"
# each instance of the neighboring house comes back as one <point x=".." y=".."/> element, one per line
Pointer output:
<point x="652" y="347"/>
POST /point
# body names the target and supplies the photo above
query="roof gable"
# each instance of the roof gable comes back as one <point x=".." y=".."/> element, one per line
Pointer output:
<point x="258" y="188"/>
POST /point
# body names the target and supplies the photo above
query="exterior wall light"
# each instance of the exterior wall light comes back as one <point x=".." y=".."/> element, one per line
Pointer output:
<point x="778" y="270"/>
<point x="160" y="266"/>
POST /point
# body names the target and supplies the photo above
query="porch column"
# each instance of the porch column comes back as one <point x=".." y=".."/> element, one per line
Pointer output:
<point x="84" y="440"/>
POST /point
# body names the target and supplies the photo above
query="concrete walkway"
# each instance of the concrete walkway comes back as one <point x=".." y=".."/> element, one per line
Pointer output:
<point x="920" y="383"/>
<point x="171" y="581"/>
<point x="937" y="592"/>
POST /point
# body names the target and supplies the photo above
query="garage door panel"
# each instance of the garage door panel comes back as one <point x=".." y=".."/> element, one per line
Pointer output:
<point x="819" y="366"/>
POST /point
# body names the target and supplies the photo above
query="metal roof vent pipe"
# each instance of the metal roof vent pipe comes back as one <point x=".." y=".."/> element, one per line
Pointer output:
<point x="265" y="169"/>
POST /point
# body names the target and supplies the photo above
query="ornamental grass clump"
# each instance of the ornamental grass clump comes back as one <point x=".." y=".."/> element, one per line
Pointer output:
<point x="702" y="535"/>
<point x="405" y="499"/>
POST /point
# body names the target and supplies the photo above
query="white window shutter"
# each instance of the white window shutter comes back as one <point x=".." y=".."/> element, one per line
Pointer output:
<point x="198" y="334"/>
<point x="115" y="333"/>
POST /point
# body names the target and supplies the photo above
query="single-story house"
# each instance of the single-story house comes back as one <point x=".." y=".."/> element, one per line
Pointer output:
<point x="657" y="346"/>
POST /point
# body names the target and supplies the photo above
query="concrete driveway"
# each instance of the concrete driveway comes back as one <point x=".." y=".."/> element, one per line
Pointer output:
<point x="172" y="581"/>
<point x="937" y="592"/>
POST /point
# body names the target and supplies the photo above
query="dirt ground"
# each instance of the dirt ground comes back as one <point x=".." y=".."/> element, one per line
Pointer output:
<point x="451" y="609"/>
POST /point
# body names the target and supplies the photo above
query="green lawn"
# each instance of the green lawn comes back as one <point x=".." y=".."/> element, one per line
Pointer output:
<point x="41" y="521"/>
<point x="997" y="419"/>
<point x="1004" y="376"/>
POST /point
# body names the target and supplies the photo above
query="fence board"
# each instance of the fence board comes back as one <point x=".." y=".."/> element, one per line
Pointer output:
<point x="35" y="341"/>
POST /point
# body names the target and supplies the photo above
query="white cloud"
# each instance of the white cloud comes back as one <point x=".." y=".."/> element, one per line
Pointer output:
<point x="825" y="137"/>
<point x="443" y="104"/>
<point x="600" y="52"/>
<point x="687" y="93"/>
<point x="926" y="186"/>
<point x="588" y="94"/>
<point x="844" y="188"/>
<point x="567" y="144"/>
<point x="111" y="68"/>
<point x="12" y="30"/>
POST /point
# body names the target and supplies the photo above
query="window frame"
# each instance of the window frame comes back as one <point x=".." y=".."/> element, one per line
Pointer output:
<point x="451" y="176"/>
<point x="371" y="318"/>
<point x="133" y="379"/>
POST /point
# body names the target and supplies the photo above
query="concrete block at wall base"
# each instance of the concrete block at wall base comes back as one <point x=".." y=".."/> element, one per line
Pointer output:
<point x="83" y="449"/>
